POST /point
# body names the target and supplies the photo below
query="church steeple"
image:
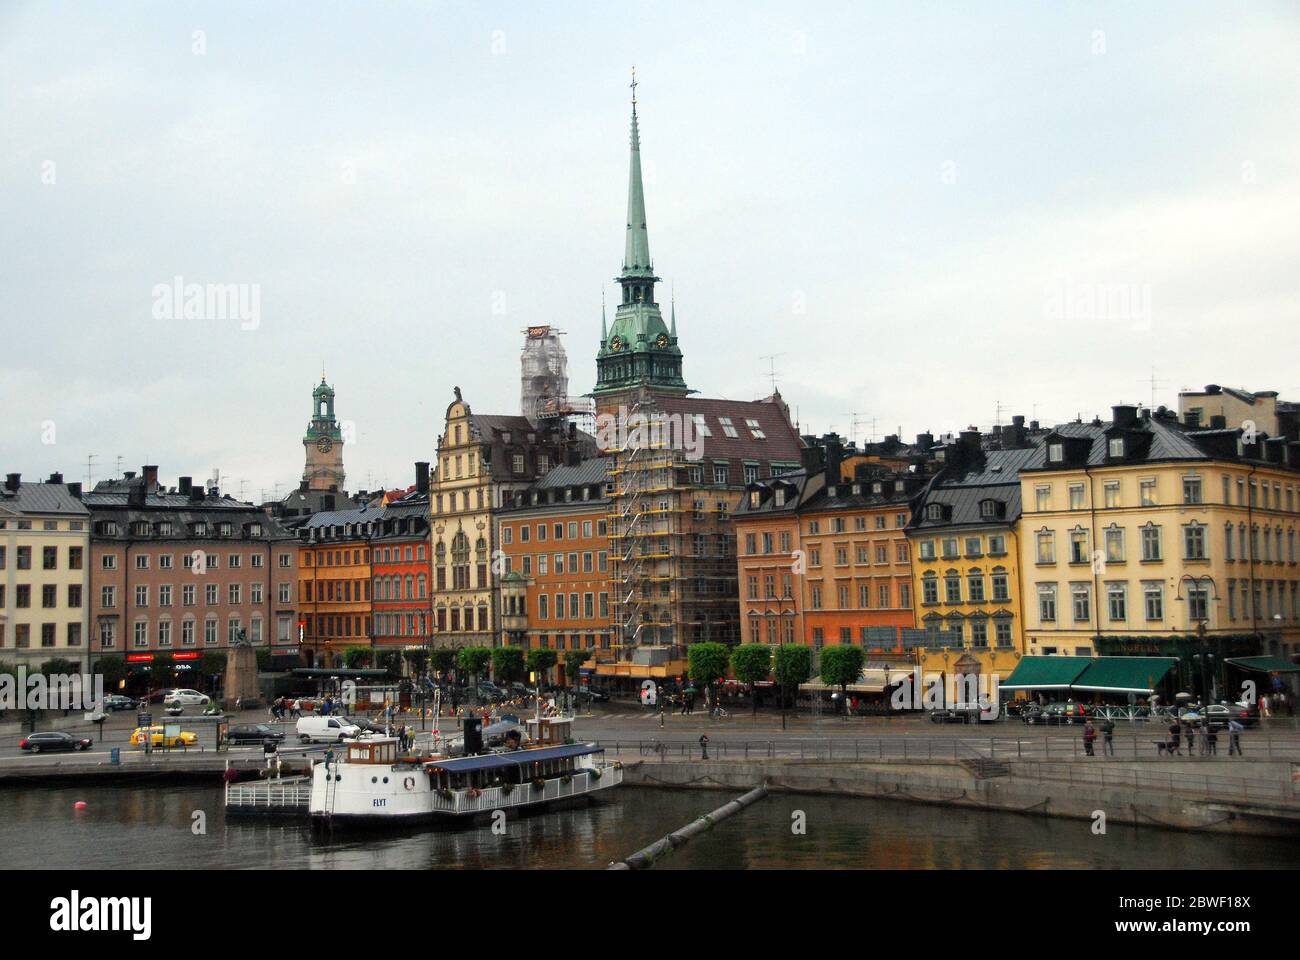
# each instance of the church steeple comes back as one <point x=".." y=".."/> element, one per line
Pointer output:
<point x="638" y="350"/>
<point x="323" y="442"/>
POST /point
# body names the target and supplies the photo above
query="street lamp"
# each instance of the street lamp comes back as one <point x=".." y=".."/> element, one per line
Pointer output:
<point x="1199" y="610"/>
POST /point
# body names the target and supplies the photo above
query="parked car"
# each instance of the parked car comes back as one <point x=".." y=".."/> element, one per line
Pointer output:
<point x="962" y="713"/>
<point x="253" y="733"/>
<point x="326" y="729"/>
<point x="364" y="725"/>
<point x="53" y="740"/>
<point x="185" y="698"/>
<point x="115" y="701"/>
<point x="1245" y="714"/>
<point x="590" y="693"/>
<point x="158" y="738"/>
<point x="489" y="691"/>
<point x="1056" y="713"/>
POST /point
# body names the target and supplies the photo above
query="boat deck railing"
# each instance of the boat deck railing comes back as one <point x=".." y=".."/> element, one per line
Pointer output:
<point x="582" y="782"/>
<point x="288" y="794"/>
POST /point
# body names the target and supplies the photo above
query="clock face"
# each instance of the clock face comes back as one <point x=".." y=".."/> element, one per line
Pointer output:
<point x="324" y="444"/>
<point x="661" y="341"/>
<point x="616" y="343"/>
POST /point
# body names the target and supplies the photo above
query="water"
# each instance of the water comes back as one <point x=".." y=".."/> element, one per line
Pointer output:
<point x="150" y="826"/>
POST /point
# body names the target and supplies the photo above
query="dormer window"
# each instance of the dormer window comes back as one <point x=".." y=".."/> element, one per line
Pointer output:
<point x="988" y="509"/>
<point x="1056" y="452"/>
<point x="755" y="497"/>
<point x="779" y="496"/>
<point x="877" y="488"/>
<point x="1116" y="447"/>
<point x="934" y="512"/>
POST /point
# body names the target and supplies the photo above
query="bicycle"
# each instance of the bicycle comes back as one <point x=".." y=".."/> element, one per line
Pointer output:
<point x="719" y="713"/>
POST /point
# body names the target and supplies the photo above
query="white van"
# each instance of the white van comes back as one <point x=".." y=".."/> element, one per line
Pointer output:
<point x="326" y="729"/>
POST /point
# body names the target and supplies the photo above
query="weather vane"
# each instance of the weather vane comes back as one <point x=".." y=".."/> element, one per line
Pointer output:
<point x="633" y="85"/>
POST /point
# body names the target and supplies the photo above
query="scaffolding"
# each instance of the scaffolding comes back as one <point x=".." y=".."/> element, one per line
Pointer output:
<point x="673" y="566"/>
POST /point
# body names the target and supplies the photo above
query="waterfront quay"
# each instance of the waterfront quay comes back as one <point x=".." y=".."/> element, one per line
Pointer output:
<point x="1006" y="766"/>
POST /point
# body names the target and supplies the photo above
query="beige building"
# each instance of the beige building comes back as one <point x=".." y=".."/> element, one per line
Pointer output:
<point x="482" y="460"/>
<point x="1136" y="532"/>
<point x="44" y="572"/>
<point x="1218" y="407"/>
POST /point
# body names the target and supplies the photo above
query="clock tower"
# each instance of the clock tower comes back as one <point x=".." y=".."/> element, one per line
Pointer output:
<point x="323" y="443"/>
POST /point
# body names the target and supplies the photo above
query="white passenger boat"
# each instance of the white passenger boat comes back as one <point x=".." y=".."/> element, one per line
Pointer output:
<point x="370" y="781"/>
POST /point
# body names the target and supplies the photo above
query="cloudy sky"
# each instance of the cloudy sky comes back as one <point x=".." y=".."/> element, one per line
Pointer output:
<point x="924" y="211"/>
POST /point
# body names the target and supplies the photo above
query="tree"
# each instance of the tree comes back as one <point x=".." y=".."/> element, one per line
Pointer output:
<point x="507" y="664"/>
<point x="540" y="662"/>
<point x="791" y="666"/>
<point x="59" y="665"/>
<point x="472" y="660"/>
<point x="573" y="668"/>
<point x="442" y="660"/>
<point x="263" y="657"/>
<point x="389" y="660"/>
<point x="417" y="657"/>
<point x="113" y="670"/>
<point x="841" y="666"/>
<point x="356" y="658"/>
<point x="750" y="663"/>
<point x="707" y="662"/>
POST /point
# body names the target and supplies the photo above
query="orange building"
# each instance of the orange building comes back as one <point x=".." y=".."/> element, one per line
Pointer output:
<point x="554" y="543"/>
<point x="823" y="552"/>
<point x="401" y="613"/>
<point x="334" y="583"/>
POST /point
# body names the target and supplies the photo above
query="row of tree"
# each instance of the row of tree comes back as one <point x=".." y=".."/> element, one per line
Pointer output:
<point x="787" y="665"/>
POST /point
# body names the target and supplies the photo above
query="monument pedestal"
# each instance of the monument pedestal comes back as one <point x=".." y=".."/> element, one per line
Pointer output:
<point x="241" y="675"/>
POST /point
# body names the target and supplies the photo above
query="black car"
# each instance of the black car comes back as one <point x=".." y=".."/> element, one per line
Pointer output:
<point x="253" y="733"/>
<point x="115" y="701"/>
<point x="589" y="693"/>
<point x="54" y="740"/>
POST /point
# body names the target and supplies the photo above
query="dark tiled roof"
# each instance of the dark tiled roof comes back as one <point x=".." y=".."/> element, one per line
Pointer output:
<point x="42" y="498"/>
<point x="995" y="475"/>
<point x="782" y="443"/>
<point x="587" y="472"/>
<point x="801" y="486"/>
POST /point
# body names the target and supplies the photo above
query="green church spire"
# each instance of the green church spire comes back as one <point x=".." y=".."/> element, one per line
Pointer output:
<point x="638" y="349"/>
<point x="636" y="249"/>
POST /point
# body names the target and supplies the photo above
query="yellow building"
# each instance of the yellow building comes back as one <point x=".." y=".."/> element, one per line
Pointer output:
<point x="966" y="556"/>
<point x="44" y="572"/>
<point x="1137" y="531"/>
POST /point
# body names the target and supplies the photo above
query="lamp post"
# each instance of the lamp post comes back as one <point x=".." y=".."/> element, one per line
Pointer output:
<point x="1199" y="610"/>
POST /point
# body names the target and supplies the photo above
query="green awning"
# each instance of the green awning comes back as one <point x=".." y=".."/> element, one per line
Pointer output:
<point x="1264" y="664"/>
<point x="1124" y="674"/>
<point x="1045" y="673"/>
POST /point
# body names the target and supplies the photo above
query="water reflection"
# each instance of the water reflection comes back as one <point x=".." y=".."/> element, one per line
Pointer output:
<point x="152" y="825"/>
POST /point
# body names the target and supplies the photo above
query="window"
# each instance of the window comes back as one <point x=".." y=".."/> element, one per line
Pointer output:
<point x="1076" y="496"/>
<point x="997" y="545"/>
<point x="1147" y="491"/>
<point x="1153" y="595"/>
<point x="1081" y="601"/>
<point x="1150" y="542"/>
<point x="755" y="430"/>
<point x="929" y="588"/>
<point x="1191" y="489"/>
<point x="975" y="586"/>
<point x="1079" y="546"/>
<point x="952" y="587"/>
<point x="1198" y="603"/>
<point x="1056" y="452"/>
<point x="1047" y="602"/>
<point x="1115" y="447"/>
<point x="1194" y="542"/>
<point x="727" y="428"/>
<point x="1117" y="601"/>
<point x="1043" y="498"/>
<point x="1046" y="541"/>
<point x="1110" y="494"/>
<point x="1001" y="586"/>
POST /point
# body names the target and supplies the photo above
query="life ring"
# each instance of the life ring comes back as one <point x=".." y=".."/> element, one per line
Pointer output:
<point x="409" y="783"/>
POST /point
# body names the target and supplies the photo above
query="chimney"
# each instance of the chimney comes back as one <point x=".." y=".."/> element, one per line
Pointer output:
<point x="186" y="485"/>
<point x="328" y="501"/>
<point x="834" y="455"/>
<point x="1218" y="422"/>
<point x="302" y="486"/>
<point x="422" y="476"/>
<point x="925" y="440"/>
<point x="812" y="457"/>
<point x="150" y="474"/>
<point x="1033" y="426"/>
<point x="12" y="481"/>
<point x="74" y="490"/>
<point x="196" y="492"/>
<point x="1123" y="415"/>
<point x="129" y="475"/>
<point x="55" y="478"/>
<point x="135" y="494"/>
<point x="969" y="440"/>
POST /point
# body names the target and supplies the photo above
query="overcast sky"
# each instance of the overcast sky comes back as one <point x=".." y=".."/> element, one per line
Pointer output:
<point x="924" y="210"/>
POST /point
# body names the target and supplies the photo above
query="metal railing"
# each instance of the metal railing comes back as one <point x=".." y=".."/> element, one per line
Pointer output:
<point x="580" y="783"/>
<point x="1208" y="785"/>
<point x="291" y="792"/>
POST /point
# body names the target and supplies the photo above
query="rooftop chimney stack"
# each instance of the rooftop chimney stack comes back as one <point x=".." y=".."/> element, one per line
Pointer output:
<point x="12" y="482"/>
<point x="150" y="474"/>
<point x="421" y="476"/>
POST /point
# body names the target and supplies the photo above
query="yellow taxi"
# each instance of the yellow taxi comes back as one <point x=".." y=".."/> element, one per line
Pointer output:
<point x="184" y="739"/>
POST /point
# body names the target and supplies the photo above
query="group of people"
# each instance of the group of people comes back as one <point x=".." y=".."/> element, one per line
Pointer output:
<point x="1107" y="734"/>
<point x="1209" y="738"/>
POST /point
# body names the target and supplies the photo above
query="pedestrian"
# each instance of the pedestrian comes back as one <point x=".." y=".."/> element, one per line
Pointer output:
<point x="1234" y="737"/>
<point x="1089" y="735"/>
<point x="1211" y="740"/>
<point x="1263" y="706"/>
<point x="1175" y="739"/>
<point x="662" y="711"/>
<point x="704" y="746"/>
<point x="1191" y="738"/>
<point x="1108" y="736"/>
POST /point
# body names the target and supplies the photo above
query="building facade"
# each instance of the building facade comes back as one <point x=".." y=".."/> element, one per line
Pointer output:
<point x="185" y="570"/>
<point x="1138" y="531"/>
<point x="402" y="611"/>
<point x="334" y="583"/>
<point x="555" y="546"/>
<point x="44" y="572"/>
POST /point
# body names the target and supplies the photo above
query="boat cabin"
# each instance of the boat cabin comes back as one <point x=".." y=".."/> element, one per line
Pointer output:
<point x="514" y="767"/>
<point x="382" y="750"/>
<point x="550" y="731"/>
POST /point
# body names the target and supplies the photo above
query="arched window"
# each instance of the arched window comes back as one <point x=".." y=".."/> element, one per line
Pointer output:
<point x="460" y="562"/>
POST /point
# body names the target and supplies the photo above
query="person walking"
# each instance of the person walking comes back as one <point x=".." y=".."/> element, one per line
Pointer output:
<point x="1191" y="738"/>
<point x="1089" y="736"/>
<point x="1108" y="737"/>
<point x="704" y="746"/>
<point x="1234" y="737"/>
<point x="1211" y="740"/>
<point x="1175" y="739"/>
